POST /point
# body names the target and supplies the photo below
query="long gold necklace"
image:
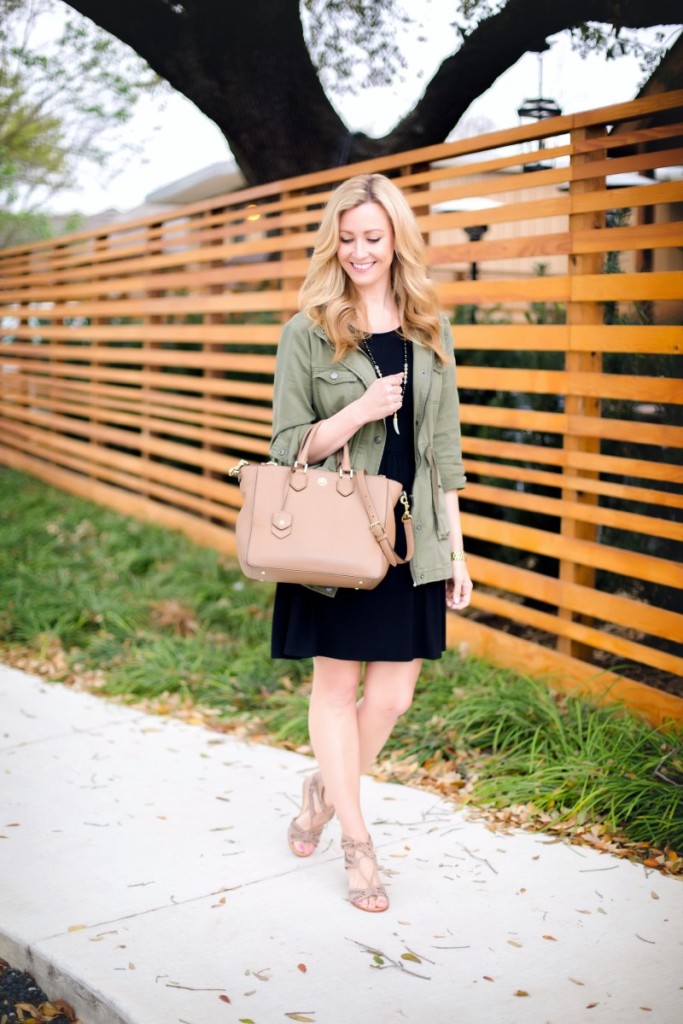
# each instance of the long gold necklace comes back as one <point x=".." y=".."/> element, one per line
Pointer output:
<point x="366" y="349"/>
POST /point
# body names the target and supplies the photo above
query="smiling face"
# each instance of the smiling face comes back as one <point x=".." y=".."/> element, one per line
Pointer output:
<point x="366" y="245"/>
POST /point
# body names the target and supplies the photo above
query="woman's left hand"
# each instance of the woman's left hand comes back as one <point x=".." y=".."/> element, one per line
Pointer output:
<point x="458" y="588"/>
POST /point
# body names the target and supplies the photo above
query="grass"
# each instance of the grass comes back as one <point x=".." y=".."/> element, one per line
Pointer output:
<point x="140" y="613"/>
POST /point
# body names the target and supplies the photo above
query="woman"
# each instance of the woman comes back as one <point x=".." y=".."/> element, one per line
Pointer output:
<point x="371" y="357"/>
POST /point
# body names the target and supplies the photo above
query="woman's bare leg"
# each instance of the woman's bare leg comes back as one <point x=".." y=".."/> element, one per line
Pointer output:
<point x="333" y="729"/>
<point x="387" y="693"/>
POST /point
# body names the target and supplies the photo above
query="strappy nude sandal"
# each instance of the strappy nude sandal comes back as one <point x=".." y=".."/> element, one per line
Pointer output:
<point x="319" y="814"/>
<point x="355" y="852"/>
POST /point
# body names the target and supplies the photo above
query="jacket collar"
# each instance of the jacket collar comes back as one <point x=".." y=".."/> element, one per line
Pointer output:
<point x="423" y="362"/>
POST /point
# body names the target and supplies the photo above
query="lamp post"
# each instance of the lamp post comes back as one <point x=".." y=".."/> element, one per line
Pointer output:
<point x="538" y="109"/>
<point x="475" y="232"/>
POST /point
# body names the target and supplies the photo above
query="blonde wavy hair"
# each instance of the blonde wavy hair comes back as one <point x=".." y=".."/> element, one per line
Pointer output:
<point x="328" y="295"/>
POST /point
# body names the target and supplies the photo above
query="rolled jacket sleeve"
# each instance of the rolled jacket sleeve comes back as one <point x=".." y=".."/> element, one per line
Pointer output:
<point x="293" y="408"/>
<point x="447" y="442"/>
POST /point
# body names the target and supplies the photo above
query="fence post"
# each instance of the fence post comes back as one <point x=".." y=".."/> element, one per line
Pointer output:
<point x="583" y="312"/>
<point x="153" y="246"/>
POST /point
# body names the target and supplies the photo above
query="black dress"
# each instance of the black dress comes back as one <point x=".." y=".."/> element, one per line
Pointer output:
<point x="396" y="621"/>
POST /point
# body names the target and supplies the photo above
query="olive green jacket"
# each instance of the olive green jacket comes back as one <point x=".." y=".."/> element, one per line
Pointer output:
<point x="311" y="386"/>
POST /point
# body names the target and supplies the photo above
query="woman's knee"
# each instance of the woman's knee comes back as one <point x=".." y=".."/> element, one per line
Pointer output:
<point x="336" y="685"/>
<point x="388" y="695"/>
<point x="390" y="703"/>
<point x="398" y="704"/>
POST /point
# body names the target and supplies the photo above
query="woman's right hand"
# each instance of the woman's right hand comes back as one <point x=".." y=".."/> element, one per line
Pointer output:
<point x="382" y="398"/>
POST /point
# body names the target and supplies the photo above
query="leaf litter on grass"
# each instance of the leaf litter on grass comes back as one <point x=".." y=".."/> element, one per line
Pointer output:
<point x="146" y="618"/>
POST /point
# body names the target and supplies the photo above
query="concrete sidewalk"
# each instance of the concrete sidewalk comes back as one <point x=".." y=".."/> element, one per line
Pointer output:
<point x="145" y="878"/>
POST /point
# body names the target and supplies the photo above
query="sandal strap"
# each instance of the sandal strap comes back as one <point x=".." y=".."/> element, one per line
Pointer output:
<point x="360" y="895"/>
<point x="297" y="834"/>
<point x="313" y="796"/>
<point x="315" y="792"/>
<point x="355" y="850"/>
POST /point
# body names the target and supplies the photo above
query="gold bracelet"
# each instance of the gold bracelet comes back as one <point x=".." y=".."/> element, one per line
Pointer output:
<point x="458" y="556"/>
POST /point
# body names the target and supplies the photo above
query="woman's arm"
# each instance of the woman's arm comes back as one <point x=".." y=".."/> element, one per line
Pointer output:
<point x="381" y="399"/>
<point x="294" y="407"/>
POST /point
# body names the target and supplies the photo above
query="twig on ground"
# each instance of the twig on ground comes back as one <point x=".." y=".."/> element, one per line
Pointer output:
<point x="390" y="962"/>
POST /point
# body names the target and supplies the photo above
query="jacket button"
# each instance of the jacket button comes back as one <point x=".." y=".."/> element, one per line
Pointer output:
<point x="281" y="451"/>
<point x="418" y="526"/>
<point x="333" y="376"/>
<point x="378" y="439"/>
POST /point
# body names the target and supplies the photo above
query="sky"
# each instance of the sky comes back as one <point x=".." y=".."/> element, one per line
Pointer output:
<point x="178" y="139"/>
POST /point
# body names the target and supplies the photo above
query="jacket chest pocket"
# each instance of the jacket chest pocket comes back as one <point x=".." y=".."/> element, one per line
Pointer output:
<point x="334" y="388"/>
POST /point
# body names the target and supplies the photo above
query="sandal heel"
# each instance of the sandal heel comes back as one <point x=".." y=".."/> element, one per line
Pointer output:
<point x="312" y="797"/>
<point x="355" y="852"/>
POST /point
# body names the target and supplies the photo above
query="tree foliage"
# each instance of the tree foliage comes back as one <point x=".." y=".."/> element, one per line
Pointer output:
<point x="61" y="102"/>
<point x="262" y="70"/>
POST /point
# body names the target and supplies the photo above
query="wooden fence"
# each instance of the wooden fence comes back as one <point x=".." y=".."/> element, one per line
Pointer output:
<point x="136" y="368"/>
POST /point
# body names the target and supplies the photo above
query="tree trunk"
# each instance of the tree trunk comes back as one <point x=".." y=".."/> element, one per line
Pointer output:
<point x="247" y="68"/>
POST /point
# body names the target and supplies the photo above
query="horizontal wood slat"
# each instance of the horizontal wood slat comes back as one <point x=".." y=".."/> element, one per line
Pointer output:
<point x="605" y="607"/>
<point x="624" y="563"/>
<point x="136" y="364"/>
<point x="667" y="340"/>
<point x="582" y="511"/>
<point x="570" y="425"/>
<point x="625" y="649"/>
<point x="592" y="462"/>
<point x="562" y="673"/>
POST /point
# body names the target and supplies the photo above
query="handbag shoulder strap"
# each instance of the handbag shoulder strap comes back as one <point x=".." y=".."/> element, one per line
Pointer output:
<point x="376" y="527"/>
<point x="378" y="530"/>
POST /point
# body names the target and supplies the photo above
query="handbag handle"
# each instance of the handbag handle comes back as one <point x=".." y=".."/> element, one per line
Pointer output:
<point x="376" y="527"/>
<point x="302" y="457"/>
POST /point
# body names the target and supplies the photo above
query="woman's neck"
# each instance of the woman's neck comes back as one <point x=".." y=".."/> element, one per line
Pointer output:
<point x="379" y="313"/>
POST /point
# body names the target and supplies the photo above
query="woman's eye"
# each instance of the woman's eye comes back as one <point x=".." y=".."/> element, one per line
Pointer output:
<point x="374" y="239"/>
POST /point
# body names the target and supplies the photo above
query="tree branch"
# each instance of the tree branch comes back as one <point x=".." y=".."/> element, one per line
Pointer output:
<point x="496" y="44"/>
<point x="247" y="68"/>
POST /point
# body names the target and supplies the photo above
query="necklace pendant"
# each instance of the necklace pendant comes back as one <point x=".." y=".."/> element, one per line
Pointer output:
<point x="395" y="420"/>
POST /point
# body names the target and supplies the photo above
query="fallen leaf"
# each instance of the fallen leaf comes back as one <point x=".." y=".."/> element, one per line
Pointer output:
<point x="301" y="1017"/>
<point x="224" y="999"/>
<point x="245" y="1020"/>
<point x="411" y="956"/>
<point x="550" y="938"/>
<point x="520" y="992"/>
<point x="648" y="1009"/>
<point x="512" y="942"/>
<point x="591" y="1006"/>
<point x="302" y="967"/>
<point x="575" y="981"/>
<point x="486" y="977"/>
<point x="654" y="896"/>
<point x="76" y="927"/>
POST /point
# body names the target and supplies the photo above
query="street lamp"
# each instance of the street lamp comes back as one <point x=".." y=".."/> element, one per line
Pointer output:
<point x="538" y="110"/>
<point x="475" y="232"/>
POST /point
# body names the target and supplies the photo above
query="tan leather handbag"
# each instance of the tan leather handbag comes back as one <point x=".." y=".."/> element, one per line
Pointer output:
<point x="304" y="525"/>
